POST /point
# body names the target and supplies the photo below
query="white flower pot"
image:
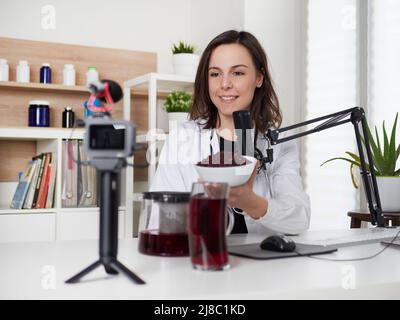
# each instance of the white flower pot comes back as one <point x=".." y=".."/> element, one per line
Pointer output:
<point x="389" y="192"/>
<point x="185" y="64"/>
<point x="176" y="118"/>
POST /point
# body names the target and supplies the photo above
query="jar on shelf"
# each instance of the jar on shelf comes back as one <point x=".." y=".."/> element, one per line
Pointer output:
<point x="68" y="118"/>
<point x="69" y="75"/>
<point x="45" y="73"/>
<point x="91" y="75"/>
<point x="23" y="72"/>
<point x="4" y="70"/>
<point x="39" y="113"/>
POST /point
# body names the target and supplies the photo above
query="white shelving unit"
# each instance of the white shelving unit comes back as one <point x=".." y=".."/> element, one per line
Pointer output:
<point x="25" y="142"/>
<point x="154" y="83"/>
<point x="61" y="223"/>
<point x="57" y="223"/>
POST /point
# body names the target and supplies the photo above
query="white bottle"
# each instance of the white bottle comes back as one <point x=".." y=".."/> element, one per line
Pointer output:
<point x="23" y="74"/>
<point x="91" y="75"/>
<point x="3" y="70"/>
<point x="69" y="75"/>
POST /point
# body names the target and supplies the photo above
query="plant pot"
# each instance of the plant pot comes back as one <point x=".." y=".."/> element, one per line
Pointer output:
<point x="389" y="192"/>
<point x="176" y="118"/>
<point x="185" y="64"/>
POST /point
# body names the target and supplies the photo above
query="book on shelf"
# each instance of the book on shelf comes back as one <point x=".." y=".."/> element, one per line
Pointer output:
<point x="52" y="182"/>
<point x="39" y="180"/>
<point x="25" y="179"/>
<point x="33" y="187"/>
<point x="43" y="181"/>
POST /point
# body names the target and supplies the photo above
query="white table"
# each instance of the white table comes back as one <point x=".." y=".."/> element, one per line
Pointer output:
<point x="38" y="271"/>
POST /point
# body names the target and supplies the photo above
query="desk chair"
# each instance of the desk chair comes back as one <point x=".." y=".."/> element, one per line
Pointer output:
<point x="357" y="217"/>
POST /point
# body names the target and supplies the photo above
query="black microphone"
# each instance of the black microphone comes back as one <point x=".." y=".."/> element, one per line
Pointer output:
<point x="244" y="131"/>
<point x="101" y="88"/>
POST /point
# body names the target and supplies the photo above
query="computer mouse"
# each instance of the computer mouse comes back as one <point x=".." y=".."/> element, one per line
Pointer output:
<point x="278" y="243"/>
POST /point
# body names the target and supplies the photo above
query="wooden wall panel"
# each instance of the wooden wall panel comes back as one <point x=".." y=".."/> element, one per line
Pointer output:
<point x="14" y="155"/>
<point x="115" y="64"/>
<point x="14" y="105"/>
<point x="139" y="113"/>
<point x="140" y="174"/>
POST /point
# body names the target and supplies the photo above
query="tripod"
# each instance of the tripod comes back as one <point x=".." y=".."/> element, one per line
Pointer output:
<point x="108" y="242"/>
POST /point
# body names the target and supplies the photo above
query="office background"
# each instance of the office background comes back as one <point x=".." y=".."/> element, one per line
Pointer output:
<point x="325" y="55"/>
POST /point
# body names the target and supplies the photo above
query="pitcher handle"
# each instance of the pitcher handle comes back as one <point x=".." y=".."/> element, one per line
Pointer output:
<point x="231" y="220"/>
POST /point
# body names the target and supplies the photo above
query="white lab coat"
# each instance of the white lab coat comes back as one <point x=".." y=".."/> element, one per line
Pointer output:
<point x="288" y="205"/>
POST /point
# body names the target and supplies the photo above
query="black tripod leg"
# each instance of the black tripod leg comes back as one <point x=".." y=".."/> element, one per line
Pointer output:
<point x="84" y="272"/>
<point x="110" y="270"/>
<point x="120" y="267"/>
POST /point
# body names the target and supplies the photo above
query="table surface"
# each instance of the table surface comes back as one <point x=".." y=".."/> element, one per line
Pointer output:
<point x="38" y="271"/>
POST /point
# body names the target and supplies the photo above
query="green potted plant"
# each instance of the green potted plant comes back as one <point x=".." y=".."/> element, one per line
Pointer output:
<point x="184" y="59"/>
<point x="385" y="166"/>
<point x="178" y="104"/>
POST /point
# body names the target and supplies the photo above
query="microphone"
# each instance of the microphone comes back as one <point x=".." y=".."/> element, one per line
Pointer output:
<point x="244" y="131"/>
<point x="102" y="87"/>
<point x="107" y="91"/>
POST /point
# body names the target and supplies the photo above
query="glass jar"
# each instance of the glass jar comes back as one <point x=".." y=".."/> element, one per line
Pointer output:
<point x="45" y="73"/>
<point x="39" y="113"/>
<point x="163" y="223"/>
<point x="69" y="75"/>
<point x="68" y="118"/>
<point x="91" y="75"/>
<point x="4" y="70"/>
<point x="23" y="71"/>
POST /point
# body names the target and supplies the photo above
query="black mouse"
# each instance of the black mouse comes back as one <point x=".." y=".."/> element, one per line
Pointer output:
<point x="279" y="243"/>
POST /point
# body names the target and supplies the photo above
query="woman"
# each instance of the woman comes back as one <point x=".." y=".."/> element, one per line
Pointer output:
<point x="233" y="75"/>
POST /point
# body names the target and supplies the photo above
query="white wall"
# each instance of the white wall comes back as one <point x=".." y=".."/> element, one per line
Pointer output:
<point x="151" y="25"/>
<point x="277" y="25"/>
<point x="212" y="17"/>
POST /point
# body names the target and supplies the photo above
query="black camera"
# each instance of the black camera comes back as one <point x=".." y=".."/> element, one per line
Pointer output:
<point x="107" y="138"/>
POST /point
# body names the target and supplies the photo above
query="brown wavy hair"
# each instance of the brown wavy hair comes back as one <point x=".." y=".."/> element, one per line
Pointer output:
<point x="264" y="110"/>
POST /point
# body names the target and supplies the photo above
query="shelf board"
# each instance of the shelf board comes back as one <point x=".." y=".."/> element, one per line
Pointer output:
<point x="26" y="211"/>
<point x="85" y="209"/>
<point x="39" y="133"/>
<point x="53" y="210"/>
<point x="144" y="93"/>
<point x="165" y="82"/>
<point x="42" y="86"/>
<point x="63" y="88"/>
<point x="79" y="209"/>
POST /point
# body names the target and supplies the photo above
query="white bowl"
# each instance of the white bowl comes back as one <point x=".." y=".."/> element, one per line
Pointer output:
<point x="234" y="176"/>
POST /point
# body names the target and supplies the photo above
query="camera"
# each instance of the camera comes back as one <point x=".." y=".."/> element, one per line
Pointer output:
<point x="109" y="139"/>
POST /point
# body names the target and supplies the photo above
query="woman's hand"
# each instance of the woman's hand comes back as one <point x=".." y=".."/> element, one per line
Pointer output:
<point x="244" y="198"/>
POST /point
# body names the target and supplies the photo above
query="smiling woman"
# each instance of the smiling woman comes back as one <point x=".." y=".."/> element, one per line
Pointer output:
<point x="234" y="70"/>
<point x="233" y="75"/>
<point x="232" y="81"/>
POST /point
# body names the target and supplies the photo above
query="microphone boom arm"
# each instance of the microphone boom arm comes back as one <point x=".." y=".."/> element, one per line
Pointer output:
<point x="357" y="116"/>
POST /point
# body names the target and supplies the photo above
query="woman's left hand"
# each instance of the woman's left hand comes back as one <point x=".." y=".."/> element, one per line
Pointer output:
<point x="243" y="197"/>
